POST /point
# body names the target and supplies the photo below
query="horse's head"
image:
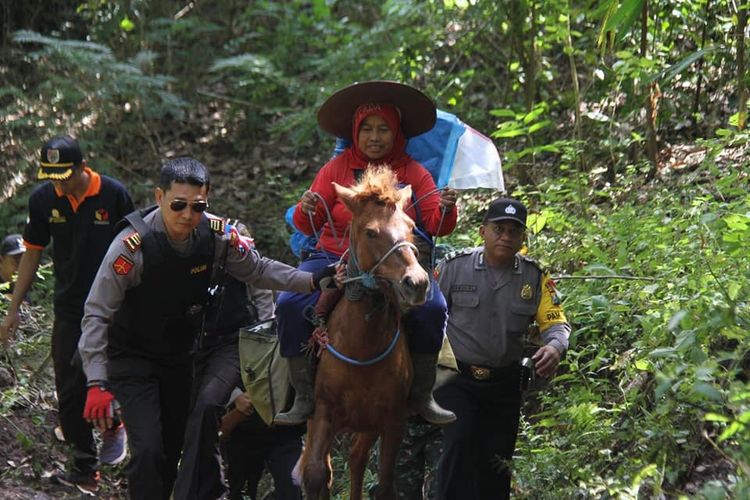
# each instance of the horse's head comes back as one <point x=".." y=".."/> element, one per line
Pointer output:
<point x="381" y="235"/>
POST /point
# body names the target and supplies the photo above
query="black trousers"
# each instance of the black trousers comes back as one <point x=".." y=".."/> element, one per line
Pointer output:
<point x="252" y="445"/>
<point x="70" y="383"/>
<point x="217" y="373"/>
<point x="154" y="397"/>
<point x="478" y="447"/>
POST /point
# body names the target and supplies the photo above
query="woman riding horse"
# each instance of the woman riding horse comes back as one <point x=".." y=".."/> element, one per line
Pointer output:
<point x="377" y="117"/>
<point x="364" y="375"/>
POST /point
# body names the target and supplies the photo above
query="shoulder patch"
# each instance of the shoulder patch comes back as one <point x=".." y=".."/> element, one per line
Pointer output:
<point x="132" y="242"/>
<point x="122" y="265"/>
<point x="216" y="224"/>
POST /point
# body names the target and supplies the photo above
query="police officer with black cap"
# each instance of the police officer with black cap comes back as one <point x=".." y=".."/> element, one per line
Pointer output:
<point x="494" y="294"/>
<point x="77" y="210"/>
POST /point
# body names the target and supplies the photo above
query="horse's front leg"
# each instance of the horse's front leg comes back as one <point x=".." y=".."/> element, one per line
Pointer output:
<point x="317" y="474"/>
<point x="390" y="441"/>
<point x="358" y="455"/>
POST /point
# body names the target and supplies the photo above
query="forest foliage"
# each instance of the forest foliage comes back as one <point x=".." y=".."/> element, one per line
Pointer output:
<point x="620" y="123"/>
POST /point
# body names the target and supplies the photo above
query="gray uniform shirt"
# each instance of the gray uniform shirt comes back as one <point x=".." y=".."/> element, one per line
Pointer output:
<point x="490" y="309"/>
<point x="109" y="288"/>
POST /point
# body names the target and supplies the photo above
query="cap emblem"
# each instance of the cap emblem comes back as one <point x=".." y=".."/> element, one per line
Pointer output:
<point x="53" y="156"/>
<point x="510" y="209"/>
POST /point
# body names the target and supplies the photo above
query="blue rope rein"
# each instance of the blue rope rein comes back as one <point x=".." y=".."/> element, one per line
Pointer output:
<point x="336" y="354"/>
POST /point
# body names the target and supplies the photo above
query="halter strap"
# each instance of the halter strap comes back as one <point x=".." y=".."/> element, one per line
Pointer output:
<point x="368" y="278"/>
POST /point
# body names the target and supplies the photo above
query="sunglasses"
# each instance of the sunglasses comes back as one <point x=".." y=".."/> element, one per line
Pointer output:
<point x="180" y="205"/>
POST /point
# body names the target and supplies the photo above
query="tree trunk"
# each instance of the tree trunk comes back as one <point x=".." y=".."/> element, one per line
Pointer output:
<point x="741" y="87"/>
<point x="699" y="66"/>
<point x="652" y="100"/>
<point x="576" y="88"/>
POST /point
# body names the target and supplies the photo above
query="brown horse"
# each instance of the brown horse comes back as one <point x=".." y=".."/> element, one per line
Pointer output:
<point x="364" y="376"/>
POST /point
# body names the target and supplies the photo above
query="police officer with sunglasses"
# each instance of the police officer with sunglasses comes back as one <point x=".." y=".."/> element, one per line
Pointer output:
<point x="145" y="310"/>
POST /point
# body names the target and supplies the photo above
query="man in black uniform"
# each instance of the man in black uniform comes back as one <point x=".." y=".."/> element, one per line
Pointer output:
<point x="145" y="310"/>
<point x="216" y="374"/>
<point x="494" y="293"/>
<point x="77" y="210"/>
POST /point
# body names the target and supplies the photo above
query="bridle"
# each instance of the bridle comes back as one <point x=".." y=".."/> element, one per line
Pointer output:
<point x="368" y="280"/>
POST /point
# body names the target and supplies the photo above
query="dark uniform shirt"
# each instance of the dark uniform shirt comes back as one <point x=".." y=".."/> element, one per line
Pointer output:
<point x="490" y="309"/>
<point x="81" y="232"/>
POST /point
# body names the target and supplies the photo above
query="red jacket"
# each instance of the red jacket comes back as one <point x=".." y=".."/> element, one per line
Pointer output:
<point x="340" y="171"/>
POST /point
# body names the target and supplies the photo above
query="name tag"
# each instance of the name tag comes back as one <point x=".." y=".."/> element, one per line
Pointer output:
<point x="199" y="269"/>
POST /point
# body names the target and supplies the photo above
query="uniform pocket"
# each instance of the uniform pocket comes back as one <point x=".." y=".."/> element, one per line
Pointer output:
<point x="521" y="316"/>
<point x="464" y="299"/>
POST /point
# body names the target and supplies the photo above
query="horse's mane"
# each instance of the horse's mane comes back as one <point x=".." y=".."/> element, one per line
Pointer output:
<point x="380" y="183"/>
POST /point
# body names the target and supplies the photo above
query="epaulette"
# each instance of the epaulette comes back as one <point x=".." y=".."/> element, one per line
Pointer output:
<point x="454" y="254"/>
<point x="458" y="253"/>
<point x="532" y="262"/>
<point x="216" y="224"/>
<point x="132" y="242"/>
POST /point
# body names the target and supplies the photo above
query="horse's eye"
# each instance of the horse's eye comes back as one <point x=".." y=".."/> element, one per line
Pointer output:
<point x="371" y="233"/>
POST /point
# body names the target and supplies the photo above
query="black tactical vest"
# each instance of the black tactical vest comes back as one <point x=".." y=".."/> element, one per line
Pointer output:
<point x="161" y="317"/>
<point x="229" y="309"/>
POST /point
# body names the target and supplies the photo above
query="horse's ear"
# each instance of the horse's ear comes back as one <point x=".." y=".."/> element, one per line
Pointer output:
<point x="346" y="195"/>
<point x="404" y="196"/>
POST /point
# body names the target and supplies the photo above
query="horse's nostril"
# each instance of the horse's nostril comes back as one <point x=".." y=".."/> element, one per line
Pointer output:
<point x="408" y="282"/>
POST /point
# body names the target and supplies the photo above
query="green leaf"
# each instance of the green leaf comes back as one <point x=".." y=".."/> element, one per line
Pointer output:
<point x="538" y="126"/>
<point x="669" y="73"/>
<point x="507" y="134"/>
<point x="731" y="430"/>
<point x="715" y="417"/>
<point x="642" y="364"/>
<point x="127" y="25"/>
<point x="674" y="322"/>
<point x="624" y="18"/>
<point x="707" y="390"/>
<point x="533" y="114"/>
<point x="503" y="113"/>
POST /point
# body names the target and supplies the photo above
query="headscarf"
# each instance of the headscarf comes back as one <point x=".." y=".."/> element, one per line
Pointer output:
<point x="397" y="156"/>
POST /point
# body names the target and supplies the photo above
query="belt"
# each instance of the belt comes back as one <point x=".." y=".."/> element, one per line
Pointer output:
<point x="484" y="373"/>
<point x="213" y="339"/>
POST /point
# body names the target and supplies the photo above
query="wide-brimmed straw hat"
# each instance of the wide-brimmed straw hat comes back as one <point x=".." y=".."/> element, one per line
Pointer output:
<point x="417" y="110"/>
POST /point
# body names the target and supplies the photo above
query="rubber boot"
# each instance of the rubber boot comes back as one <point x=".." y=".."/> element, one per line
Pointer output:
<point x="421" y="400"/>
<point x="302" y="373"/>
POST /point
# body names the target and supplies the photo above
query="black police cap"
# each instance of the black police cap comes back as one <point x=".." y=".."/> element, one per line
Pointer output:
<point x="506" y="209"/>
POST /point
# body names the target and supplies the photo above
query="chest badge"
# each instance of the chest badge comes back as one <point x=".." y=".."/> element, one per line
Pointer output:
<point x="526" y="292"/>
<point x="101" y="217"/>
<point x="55" y="217"/>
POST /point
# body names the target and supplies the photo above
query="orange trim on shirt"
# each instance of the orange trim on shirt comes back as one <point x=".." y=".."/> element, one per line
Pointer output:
<point x="95" y="185"/>
<point x="31" y="246"/>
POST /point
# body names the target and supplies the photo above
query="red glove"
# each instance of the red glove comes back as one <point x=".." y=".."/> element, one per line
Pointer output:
<point x="98" y="409"/>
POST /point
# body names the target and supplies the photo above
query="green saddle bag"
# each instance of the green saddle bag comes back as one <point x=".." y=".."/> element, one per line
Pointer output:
<point x="265" y="373"/>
